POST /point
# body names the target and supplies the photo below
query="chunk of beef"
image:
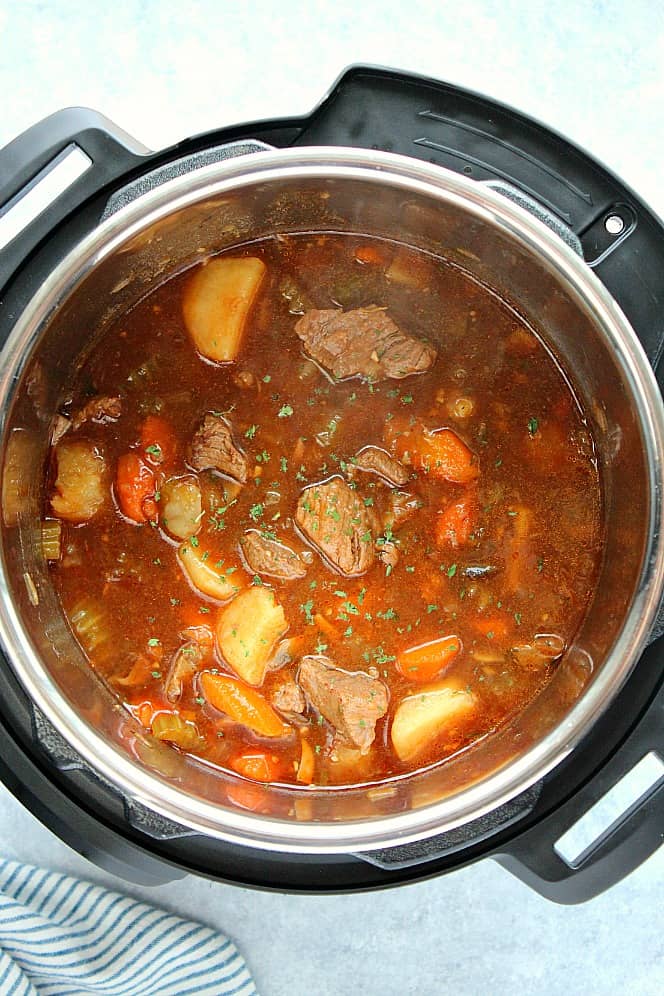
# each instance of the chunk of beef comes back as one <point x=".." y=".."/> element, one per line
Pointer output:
<point x="373" y="460"/>
<point x="186" y="662"/>
<point x="334" y="518"/>
<point x="288" y="697"/>
<point x="401" y="507"/>
<point x="103" y="409"/>
<point x="364" y="342"/>
<point x="352" y="702"/>
<point x="267" y="556"/>
<point x="213" y="448"/>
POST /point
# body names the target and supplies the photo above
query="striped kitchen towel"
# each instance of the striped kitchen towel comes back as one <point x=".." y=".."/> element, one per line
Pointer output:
<point x="63" y="937"/>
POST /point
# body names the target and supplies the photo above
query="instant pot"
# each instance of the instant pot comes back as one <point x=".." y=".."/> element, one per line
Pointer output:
<point x="486" y="187"/>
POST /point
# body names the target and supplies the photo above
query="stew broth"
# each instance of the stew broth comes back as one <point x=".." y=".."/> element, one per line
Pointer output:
<point x="480" y="562"/>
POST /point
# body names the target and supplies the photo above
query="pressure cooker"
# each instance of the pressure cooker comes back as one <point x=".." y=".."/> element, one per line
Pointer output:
<point x="527" y="213"/>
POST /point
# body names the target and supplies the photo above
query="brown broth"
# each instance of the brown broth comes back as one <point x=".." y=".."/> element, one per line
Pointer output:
<point x="529" y="567"/>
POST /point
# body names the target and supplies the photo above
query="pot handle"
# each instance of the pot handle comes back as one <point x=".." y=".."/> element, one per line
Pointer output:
<point x="535" y="857"/>
<point x="34" y="155"/>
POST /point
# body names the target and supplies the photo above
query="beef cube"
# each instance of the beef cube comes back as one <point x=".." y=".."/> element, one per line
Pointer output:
<point x="362" y="343"/>
<point x="186" y="662"/>
<point x="352" y="702"/>
<point x="213" y="448"/>
<point x="288" y="697"/>
<point x="269" y="557"/>
<point x="373" y="460"/>
<point x="401" y="507"/>
<point x="336" y="521"/>
<point x="101" y="410"/>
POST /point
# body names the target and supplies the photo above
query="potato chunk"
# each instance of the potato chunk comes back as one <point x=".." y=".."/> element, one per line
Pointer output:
<point x="206" y="574"/>
<point x="420" y="718"/>
<point x="216" y="303"/>
<point x="248" y="630"/>
<point x="80" y="485"/>
<point x="181" y="508"/>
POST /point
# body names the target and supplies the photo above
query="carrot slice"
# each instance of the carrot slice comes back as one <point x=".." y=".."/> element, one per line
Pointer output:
<point x="325" y="627"/>
<point x="305" y="771"/>
<point x="518" y="548"/>
<point x="135" y="487"/>
<point x="455" y="523"/>
<point x="493" y="627"/>
<point x="243" y="704"/>
<point x="257" y="764"/>
<point x="443" y="455"/>
<point x="369" y="254"/>
<point x="247" y="796"/>
<point x="144" y="713"/>
<point x="440" y="453"/>
<point x="158" y="441"/>
<point x="424" y="662"/>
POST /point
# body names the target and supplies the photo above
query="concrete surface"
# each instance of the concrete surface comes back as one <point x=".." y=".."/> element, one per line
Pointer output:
<point x="593" y="70"/>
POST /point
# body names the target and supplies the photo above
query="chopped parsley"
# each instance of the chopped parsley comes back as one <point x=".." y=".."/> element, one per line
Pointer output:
<point x="285" y="411"/>
<point x="532" y="426"/>
<point x="251" y="431"/>
<point x="306" y="607"/>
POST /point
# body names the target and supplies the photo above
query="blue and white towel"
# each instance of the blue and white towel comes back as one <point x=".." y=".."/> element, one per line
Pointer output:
<point x="63" y="937"/>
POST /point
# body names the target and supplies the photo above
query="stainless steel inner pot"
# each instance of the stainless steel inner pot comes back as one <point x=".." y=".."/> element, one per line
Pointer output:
<point x="495" y="241"/>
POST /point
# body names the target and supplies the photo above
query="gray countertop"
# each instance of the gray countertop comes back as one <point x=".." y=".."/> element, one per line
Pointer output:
<point x="592" y="70"/>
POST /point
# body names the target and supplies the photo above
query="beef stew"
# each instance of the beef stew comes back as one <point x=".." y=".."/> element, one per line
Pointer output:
<point x="344" y="541"/>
